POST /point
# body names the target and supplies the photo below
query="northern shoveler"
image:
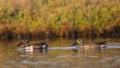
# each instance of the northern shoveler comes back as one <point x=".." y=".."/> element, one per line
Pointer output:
<point x="42" y="46"/>
<point x="76" y="46"/>
<point x="88" y="46"/>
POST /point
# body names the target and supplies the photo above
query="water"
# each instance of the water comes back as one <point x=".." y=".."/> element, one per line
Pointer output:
<point x="10" y="57"/>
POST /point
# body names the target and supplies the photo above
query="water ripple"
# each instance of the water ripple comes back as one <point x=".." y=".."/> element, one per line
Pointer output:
<point x="39" y="62"/>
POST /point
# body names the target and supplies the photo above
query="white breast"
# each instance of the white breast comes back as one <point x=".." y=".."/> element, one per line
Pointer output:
<point x="29" y="49"/>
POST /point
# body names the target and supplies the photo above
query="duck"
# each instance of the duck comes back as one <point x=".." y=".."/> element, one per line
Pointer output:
<point x="40" y="46"/>
<point x="89" y="46"/>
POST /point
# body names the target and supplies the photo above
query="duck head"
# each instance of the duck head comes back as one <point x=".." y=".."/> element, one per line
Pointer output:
<point x="25" y="41"/>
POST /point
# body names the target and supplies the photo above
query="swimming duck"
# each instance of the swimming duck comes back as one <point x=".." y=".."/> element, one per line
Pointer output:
<point x="42" y="46"/>
<point x="89" y="46"/>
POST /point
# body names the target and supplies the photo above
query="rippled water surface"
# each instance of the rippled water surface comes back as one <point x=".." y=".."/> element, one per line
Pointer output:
<point x="10" y="57"/>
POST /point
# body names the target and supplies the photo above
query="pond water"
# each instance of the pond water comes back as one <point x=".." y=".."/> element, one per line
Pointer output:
<point x="10" y="57"/>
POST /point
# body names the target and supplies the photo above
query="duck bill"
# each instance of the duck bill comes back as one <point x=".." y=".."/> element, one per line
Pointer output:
<point x="19" y="44"/>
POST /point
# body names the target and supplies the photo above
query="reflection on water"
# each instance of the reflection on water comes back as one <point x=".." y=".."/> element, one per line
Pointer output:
<point x="10" y="57"/>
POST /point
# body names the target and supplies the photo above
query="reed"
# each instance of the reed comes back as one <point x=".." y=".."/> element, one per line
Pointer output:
<point x="59" y="18"/>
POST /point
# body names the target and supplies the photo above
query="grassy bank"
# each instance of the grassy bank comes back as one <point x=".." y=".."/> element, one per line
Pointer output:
<point x="59" y="18"/>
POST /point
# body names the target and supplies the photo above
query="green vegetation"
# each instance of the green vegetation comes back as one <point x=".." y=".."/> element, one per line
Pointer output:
<point x="59" y="18"/>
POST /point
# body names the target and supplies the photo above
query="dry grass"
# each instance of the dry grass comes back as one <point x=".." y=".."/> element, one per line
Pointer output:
<point x="59" y="18"/>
